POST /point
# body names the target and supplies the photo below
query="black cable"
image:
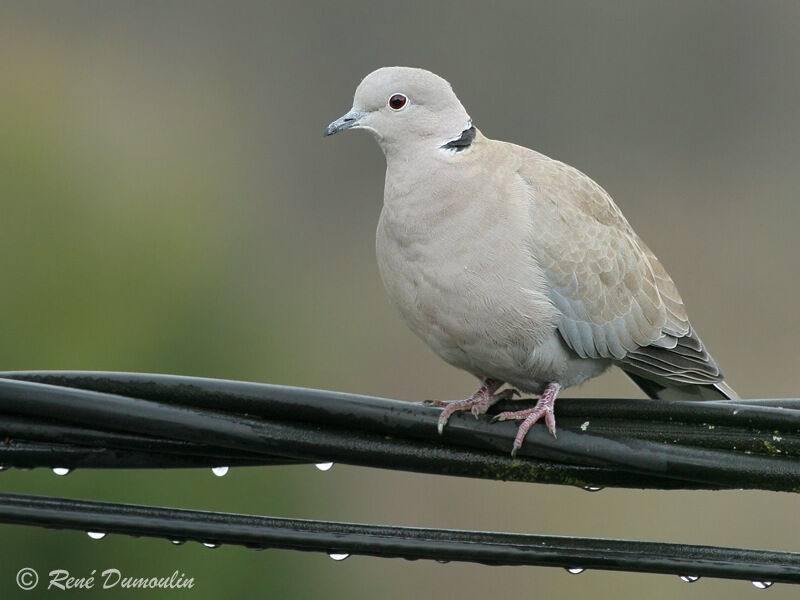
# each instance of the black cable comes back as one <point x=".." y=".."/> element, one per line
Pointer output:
<point x="752" y="449"/>
<point x="128" y="420"/>
<point x="26" y="428"/>
<point x="407" y="542"/>
<point x="711" y="445"/>
<point x="28" y="455"/>
<point x="275" y="441"/>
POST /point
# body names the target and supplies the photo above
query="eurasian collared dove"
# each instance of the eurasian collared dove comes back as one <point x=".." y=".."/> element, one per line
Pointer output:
<point x="513" y="266"/>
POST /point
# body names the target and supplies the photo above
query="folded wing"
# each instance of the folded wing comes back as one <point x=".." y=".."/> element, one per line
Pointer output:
<point x="616" y="298"/>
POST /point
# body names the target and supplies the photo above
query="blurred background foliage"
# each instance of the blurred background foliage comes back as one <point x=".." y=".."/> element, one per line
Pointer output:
<point x="169" y="205"/>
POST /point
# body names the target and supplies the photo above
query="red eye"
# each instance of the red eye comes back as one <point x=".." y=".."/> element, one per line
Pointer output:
<point x="397" y="102"/>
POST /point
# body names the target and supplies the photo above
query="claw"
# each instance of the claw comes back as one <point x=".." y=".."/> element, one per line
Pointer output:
<point x="544" y="408"/>
<point x="477" y="404"/>
<point x="480" y="408"/>
<point x="485" y="397"/>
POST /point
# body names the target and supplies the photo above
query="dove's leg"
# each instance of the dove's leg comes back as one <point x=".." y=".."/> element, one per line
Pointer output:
<point x="478" y="403"/>
<point x="543" y="408"/>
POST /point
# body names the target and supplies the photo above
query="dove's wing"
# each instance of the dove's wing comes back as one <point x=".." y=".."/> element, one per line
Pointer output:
<point x="616" y="299"/>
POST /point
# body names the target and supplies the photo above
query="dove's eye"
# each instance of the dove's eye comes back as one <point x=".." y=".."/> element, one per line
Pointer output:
<point x="397" y="101"/>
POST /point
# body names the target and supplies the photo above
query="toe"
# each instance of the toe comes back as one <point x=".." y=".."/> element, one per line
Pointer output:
<point x="503" y="416"/>
<point x="550" y="419"/>
<point x="443" y="419"/>
<point x="437" y="403"/>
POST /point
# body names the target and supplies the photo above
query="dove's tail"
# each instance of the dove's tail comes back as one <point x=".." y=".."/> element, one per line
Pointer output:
<point x="673" y="391"/>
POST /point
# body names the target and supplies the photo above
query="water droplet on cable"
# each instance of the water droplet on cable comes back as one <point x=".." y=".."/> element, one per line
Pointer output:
<point x="96" y="535"/>
<point x="177" y="542"/>
<point x="575" y="570"/>
<point x="336" y="556"/>
<point x="762" y="585"/>
<point x="593" y="488"/>
<point x="442" y="562"/>
<point x="62" y="471"/>
<point x="324" y="466"/>
<point x="689" y="578"/>
<point x="220" y="471"/>
<point x="211" y="545"/>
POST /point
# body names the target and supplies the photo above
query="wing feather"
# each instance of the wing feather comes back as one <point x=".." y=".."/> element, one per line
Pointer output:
<point x="616" y="299"/>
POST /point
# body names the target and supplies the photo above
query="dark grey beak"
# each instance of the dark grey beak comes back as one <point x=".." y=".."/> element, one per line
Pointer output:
<point x="344" y="122"/>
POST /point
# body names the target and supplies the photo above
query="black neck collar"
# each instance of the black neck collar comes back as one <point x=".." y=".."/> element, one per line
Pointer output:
<point x="463" y="142"/>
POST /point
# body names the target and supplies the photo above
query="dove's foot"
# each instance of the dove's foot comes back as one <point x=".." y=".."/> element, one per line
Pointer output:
<point x="478" y="403"/>
<point x="543" y="408"/>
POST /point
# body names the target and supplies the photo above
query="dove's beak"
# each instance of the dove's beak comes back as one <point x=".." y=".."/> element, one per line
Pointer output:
<point x="344" y="122"/>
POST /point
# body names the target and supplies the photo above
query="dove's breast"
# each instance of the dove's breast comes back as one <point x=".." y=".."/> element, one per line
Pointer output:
<point x="462" y="275"/>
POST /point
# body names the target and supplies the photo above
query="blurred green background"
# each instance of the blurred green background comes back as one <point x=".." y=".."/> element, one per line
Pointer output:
<point x="169" y="204"/>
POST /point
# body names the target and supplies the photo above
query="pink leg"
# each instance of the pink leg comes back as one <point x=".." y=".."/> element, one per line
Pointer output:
<point x="543" y="408"/>
<point x="478" y="403"/>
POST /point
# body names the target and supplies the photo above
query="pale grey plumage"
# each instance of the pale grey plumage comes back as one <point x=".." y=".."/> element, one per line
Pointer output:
<point x="514" y="266"/>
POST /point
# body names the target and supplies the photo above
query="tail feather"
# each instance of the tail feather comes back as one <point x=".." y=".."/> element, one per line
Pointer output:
<point x="674" y="391"/>
<point x="682" y="370"/>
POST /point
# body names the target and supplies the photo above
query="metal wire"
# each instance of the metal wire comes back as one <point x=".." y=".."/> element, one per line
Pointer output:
<point x="342" y="539"/>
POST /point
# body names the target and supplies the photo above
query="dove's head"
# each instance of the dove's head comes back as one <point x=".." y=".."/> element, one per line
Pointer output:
<point x="405" y="107"/>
